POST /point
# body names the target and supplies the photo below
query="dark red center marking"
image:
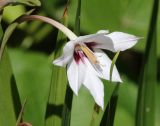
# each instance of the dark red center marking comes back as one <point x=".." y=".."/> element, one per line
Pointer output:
<point x="78" y="53"/>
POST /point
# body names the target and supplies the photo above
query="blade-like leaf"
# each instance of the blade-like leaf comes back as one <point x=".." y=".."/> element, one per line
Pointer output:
<point x="37" y="118"/>
<point x="109" y="114"/>
<point x="58" y="84"/>
<point x="146" y="94"/>
<point x="9" y="98"/>
<point x="32" y="72"/>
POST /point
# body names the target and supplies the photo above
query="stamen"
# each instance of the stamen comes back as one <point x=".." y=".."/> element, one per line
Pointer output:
<point x="90" y="55"/>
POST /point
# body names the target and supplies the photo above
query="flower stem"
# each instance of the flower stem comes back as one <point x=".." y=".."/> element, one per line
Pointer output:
<point x="56" y="24"/>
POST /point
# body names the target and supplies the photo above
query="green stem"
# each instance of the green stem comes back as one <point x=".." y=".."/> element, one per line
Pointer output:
<point x="56" y="24"/>
<point x="78" y="17"/>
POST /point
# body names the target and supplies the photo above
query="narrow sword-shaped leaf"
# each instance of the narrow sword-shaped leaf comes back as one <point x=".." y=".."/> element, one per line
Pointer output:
<point x="109" y="114"/>
<point x="145" y="115"/>
<point x="9" y="98"/>
<point x="58" y="84"/>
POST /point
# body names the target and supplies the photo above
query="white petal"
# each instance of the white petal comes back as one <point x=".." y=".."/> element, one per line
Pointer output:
<point x="94" y="85"/>
<point x="101" y="40"/>
<point x="63" y="60"/>
<point x="69" y="47"/>
<point x="68" y="51"/>
<point x="122" y="41"/>
<point x="88" y="38"/>
<point x="104" y="67"/>
<point x="116" y="41"/>
<point x="76" y="75"/>
<point x="103" y="31"/>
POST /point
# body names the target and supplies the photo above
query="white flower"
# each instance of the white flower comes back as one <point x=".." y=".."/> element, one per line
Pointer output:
<point x="86" y="63"/>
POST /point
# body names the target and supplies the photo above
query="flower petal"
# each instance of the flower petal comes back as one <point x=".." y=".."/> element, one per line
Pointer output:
<point x="94" y="85"/>
<point x="66" y="56"/>
<point x="122" y="41"/>
<point x="103" y="31"/>
<point x="88" y="38"/>
<point x="76" y="75"/>
<point x="103" y="70"/>
<point x="63" y="60"/>
<point x="69" y="48"/>
<point x="116" y="41"/>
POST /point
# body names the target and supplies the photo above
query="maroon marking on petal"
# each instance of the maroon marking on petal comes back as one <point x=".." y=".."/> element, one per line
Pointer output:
<point x="91" y="44"/>
<point x="78" y="56"/>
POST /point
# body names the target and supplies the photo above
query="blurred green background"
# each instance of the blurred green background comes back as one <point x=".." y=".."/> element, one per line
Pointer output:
<point x="32" y="44"/>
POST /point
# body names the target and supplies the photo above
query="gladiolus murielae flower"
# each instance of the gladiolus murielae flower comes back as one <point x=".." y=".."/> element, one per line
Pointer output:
<point x="86" y="63"/>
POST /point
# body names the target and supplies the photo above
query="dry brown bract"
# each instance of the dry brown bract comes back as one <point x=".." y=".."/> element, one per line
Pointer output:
<point x="24" y="124"/>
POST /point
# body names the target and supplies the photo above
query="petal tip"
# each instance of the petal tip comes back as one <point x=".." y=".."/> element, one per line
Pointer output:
<point x="103" y="32"/>
<point x="76" y="93"/>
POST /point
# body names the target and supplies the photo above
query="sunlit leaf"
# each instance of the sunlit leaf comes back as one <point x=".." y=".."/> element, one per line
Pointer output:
<point x="9" y="97"/>
<point x="32" y="71"/>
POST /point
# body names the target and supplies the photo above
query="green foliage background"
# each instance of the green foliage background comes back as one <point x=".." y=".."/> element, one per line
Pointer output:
<point x="32" y="44"/>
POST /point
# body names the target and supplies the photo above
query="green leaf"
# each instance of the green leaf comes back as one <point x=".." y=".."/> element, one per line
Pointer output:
<point x="4" y="3"/>
<point x="157" y="104"/>
<point x="83" y="106"/>
<point x="6" y="36"/>
<point x="32" y="71"/>
<point x="9" y="32"/>
<point x="129" y="16"/>
<point x="28" y="2"/>
<point x="58" y="84"/>
<point x="146" y="95"/>
<point x="32" y="113"/>
<point x="9" y="15"/>
<point x="109" y="114"/>
<point x="9" y="98"/>
<point x="126" y="106"/>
